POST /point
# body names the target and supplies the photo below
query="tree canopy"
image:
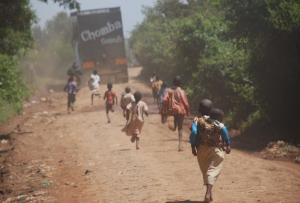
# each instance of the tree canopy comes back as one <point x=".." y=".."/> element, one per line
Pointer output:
<point x="244" y="55"/>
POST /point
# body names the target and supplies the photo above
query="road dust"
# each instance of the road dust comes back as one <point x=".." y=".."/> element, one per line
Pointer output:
<point x="78" y="157"/>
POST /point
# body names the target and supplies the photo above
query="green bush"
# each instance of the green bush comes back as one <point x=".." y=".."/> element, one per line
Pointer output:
<point x="12" y="88"/>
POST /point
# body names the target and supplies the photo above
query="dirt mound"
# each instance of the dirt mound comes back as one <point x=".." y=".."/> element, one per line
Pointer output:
<point x="281" y="150"/>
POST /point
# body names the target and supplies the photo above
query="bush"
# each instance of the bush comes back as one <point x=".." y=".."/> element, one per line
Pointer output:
<point x="12" y="88"/>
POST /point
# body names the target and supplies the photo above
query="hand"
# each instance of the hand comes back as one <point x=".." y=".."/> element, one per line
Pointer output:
<point x="194" y="151"/>
<point x="227" y="149"/>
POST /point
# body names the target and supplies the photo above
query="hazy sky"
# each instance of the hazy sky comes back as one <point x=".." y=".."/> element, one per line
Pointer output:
<point x="131" y="10"/>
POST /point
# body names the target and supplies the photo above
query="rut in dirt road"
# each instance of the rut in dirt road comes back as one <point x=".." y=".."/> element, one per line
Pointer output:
<point x="87" y="160"/>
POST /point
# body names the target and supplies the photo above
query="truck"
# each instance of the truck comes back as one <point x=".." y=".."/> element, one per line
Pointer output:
<point x="99" y="43"/>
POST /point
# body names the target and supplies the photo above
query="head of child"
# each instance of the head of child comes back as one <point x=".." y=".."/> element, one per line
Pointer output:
<point x="127" y="90"/>
<point x="217" y="114"/>
<point x="205" y="107"/>
<point x="177" y="81"/>
<point x="137" y="96"/>
<point x="109" y="86"/>
<point x="95" y="72"/>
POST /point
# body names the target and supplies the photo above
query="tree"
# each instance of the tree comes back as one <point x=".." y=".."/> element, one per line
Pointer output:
<point x="16" y="19"/>
<point x="71" y="4"/>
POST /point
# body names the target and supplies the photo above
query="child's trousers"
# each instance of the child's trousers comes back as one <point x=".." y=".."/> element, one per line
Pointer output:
<point x="210" y="160"/>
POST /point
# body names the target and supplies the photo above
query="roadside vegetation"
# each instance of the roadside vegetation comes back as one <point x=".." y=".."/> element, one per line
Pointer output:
<point x="244" y="55"/>
<point x="19" y="44"/>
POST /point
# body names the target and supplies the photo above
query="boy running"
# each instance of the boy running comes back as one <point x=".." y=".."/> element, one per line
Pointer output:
<point x="110" y="99"/>
<point x="136" y="111"/>
<point x="71" y="89"/>
<point x="210" y="145"/>
<point x="94" y="84"/>
<point x="176" y="104"/>
<point x="126" y="98"/>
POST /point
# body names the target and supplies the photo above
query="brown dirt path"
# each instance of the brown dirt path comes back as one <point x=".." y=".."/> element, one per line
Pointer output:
<point x="81" y="158"/>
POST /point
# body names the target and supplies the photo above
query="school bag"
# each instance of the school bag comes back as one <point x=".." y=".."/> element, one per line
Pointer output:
<point x="172" y="103"/>
<point x="209" y="132"/>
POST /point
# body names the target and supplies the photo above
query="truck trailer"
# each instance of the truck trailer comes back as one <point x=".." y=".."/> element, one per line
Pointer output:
<point x="99" y="43"/>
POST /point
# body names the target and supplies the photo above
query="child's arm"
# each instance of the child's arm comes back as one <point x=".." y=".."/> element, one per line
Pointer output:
<point x="193" y="137"/>
<point x="128" y="110"/>
<point x="105" y="94"/>
<point x="145" y="109"/>
<point x="226" y="138"/>
<point x="116" y="98"/>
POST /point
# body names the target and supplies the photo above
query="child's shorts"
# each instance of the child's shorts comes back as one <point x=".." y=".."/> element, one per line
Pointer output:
<point x="109" y="107"/>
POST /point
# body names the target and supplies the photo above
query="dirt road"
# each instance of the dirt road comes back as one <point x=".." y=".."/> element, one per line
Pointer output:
<point x="78" y="157"/>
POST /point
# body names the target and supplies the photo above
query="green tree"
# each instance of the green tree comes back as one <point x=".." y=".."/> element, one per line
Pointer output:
<point x="16" y="19"/>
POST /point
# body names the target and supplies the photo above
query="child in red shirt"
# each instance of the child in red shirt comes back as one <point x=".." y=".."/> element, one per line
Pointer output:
<point x="110" y="100"/>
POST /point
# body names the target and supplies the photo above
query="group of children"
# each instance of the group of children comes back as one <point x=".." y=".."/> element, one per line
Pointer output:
<point x="209" y="137"/>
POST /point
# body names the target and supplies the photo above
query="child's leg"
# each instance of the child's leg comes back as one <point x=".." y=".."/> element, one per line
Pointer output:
<point x="137" y="142"/>
<point x="180" y="140"/>
<point x="175" y="122"/>
<point x="73" y="101"/>
<point x="107" y="114"/>
<point x="180" y="119"/>
<point x="92" y="98"/>
<point x="69" y="103"/>
<point x="133" y="138"/>
<point x="208" y="194"/>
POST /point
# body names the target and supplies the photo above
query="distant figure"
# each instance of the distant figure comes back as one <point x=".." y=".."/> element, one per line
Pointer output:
<point x="110" y="100"/>
<point x="156" y="85"/>
<point x="153" y="78"/>
<point x="176" y="105"/>
<point x="71" y="89"/>
<point x="126" y="98"/>
<point x="75" y="71"/>
<point x="94" y="84"/>
<point x="209" y="140"/>
<point x="136" y="111"/>
<point x="161" y="95"/>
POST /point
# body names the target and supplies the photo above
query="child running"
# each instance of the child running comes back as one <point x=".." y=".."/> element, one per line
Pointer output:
<point x="94" y="84"/>
<point x="136" y="110"/>
<point x="110" y="99"/>
<point x="71" y="89"/>
<point x="126" y="98"/>
<point x="212" y="140"/>
<point x="176" y="104"/>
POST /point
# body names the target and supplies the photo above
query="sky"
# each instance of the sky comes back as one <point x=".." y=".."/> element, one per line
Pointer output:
<point x="131" y="10"/>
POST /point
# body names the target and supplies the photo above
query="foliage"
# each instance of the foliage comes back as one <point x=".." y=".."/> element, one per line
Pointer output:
<point x="16" y="19"/>
<point x="12" y="88"/>
<point x="71" y="4"/>
<point x="190" y="40"/>
<point x="274" y="42"/>
<point x="244" y="55"/>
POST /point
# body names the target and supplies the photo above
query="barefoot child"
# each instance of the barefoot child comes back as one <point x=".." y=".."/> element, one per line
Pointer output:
<point x="71" y="89"/>
<point x="213" y="139"/>
<point x="110" y="99"/>
<point x="136" y="110"/>
<point x="94" y="84"/>
<point x="177" y="105"/>
<point x="126" y="99"/>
